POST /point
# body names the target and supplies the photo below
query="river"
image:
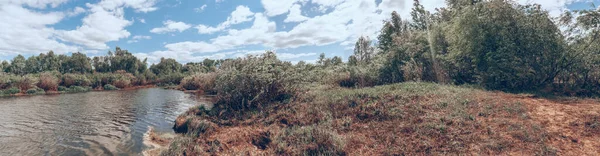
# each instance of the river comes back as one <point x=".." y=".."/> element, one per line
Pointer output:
<point x="93" y="123"/>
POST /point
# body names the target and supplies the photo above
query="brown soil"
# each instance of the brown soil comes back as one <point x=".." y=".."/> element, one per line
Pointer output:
<point x="565" y="121"/>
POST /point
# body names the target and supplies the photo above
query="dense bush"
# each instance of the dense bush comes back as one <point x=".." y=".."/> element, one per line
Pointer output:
<point x="171" y="79"/>
<point x="252" y="82"/>
<point x="27" y="82"/>
<point x="12" y="91"/>
<point x="110" y="87"/>
<point x="201" y="81"/>
<point x="33" y="91"/>
<point x="122" y="82"/>
<point x="69" y="80"/>
<point x="48" y="82"/>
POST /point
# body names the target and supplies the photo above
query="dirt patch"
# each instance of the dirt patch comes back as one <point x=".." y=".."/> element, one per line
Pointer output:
<point x="568" y="122"/>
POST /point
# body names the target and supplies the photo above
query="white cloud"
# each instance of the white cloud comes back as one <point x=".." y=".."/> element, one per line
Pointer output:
<point x="219" y="1"/>
<point x="27" y="32"/>
<point x="171" y="26"/>
<point x="200" y="9"/>
<point x="142" y="20"/>
<point x="239" y="15"/>
<point x="138" y="5"/>
<point x="277" y="7"/>
<point x="288" y="56"/>
<point x="75" y="12"/>
<point x="137" y="38"/>
<point x="40" y="4"/>
<point x="295" y="14"/>
<point x="95" y="32"/>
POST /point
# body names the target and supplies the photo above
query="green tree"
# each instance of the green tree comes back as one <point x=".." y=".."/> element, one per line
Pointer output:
<point x="17" y="65"/>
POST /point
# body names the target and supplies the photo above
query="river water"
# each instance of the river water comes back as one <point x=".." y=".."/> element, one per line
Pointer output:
<point x="93" y="123"/>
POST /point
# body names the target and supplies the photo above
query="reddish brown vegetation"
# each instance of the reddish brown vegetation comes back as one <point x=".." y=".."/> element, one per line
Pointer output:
<point x="405" y="119"/>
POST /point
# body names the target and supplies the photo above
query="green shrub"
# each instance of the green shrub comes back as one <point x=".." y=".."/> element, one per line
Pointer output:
<point x="12" y="91"/>
<point x="62" y="88"/>
<point x="252" y="82"/>
<point x="173" y="78"/>
<point x="33" y="91"/>
<point x="110" y="87"/>
<point x="202" y="81"/>
<point x="69" y="80"/>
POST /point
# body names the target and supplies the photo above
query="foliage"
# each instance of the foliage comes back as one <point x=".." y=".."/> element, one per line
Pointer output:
<point x="253" y="82"/>
<point x="69" y="80"/>
<point x="203" y="81"/>
<point x="110" y="87"/>
<point x="12" y="91"/>
<point x="48" y="82"/>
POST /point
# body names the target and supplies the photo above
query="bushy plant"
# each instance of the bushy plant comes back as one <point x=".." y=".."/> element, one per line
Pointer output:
<point x="78" y="89"/>
<point x="69" y="80"/>
<point x="12" y="91"/>
<point x="110" y="87"/>
<point x="171" y="79"/>
<point x="310" y="140"/>
<point x="48" y="82"/>
<point x="33" y="91"/>
<point x="122" y="82"/>
<point x="201" y="81"/>
<point x="252" y="82"/>
<point x="26" y="82"/>
<point x="62" y="88"/>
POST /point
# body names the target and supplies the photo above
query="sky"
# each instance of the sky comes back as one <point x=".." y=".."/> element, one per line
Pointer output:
<point x="192" y="30"/>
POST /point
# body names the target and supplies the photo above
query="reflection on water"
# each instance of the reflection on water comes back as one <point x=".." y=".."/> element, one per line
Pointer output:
<point x="94" y="123"/>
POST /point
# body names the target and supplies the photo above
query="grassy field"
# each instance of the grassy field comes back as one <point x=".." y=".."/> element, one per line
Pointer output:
<point x="399" y="119"/>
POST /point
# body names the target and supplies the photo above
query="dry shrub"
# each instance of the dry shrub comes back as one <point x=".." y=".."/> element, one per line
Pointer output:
<point x="48" y="82"/>
<point x="26" y="83"/>
<point x="309" y="140"/>
<point x="202" y="81"/>
<point x="122" y="82"/>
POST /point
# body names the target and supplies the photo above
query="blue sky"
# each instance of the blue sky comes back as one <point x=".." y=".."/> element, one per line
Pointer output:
<point x="191" y="30"/>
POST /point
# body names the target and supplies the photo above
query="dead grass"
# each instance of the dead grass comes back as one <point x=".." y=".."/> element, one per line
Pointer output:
<point x="398" y="119"/>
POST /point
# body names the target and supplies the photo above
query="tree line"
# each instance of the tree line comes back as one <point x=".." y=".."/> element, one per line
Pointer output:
<point x="498" y="44"/>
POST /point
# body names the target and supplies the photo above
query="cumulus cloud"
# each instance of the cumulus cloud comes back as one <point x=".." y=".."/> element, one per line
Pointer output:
<point x="295" y="14"/>
<point x="27" y="32"/>
<point x="171" y="26"/>
<point x="137" y="38"/>
<point x="241" y="14"/>
<point x="95" y="32"/>
<point x="76" y="11"/>
<point x="138" y="5"/>
<point x="40" y="4"/>
<point x="277" y="7"/>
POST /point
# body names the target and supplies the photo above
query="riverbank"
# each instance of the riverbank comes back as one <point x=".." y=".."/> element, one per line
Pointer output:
<point x="404" y="119"/>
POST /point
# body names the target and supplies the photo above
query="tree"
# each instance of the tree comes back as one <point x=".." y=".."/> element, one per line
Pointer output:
<point x="78" y="63"/>
<point x="17" y="65"/>
<point x="419" y="16"/>
<point x="166" y="67"/>
<point x="505" y="47"/>
<point x="32" y="65"/>
<point x="363" y="51"/>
